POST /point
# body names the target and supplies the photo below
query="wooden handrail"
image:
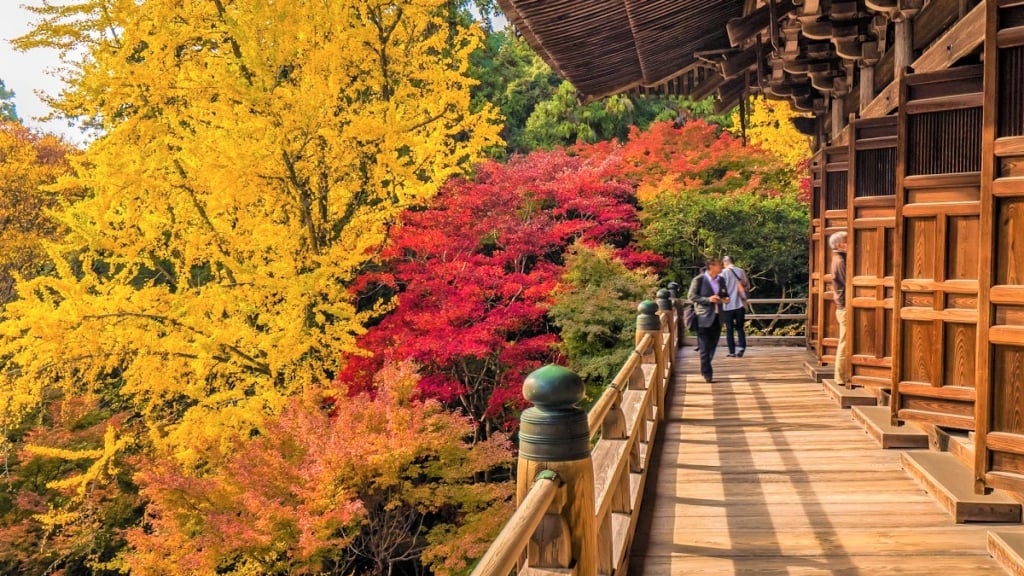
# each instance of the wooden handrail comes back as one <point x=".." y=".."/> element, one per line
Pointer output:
<point x="572" y="530"/>
<point x="772" y="316"/>
<point x="507" y="549"/>
<point x="598" y="411"/>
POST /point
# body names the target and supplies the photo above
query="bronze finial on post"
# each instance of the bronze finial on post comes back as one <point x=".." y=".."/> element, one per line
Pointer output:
<point x="554" y="435"/>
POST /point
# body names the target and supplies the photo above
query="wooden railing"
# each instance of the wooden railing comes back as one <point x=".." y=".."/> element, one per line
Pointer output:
<point x="578" y="501"/>
<point x="781" y="313"/>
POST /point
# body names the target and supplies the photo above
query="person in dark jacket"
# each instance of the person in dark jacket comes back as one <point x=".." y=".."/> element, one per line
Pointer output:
<point x="837" y="242"/>
<point x="708" y="293"/>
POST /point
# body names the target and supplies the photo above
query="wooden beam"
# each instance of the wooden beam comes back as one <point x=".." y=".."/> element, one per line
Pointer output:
<point x="960" y="40"/>
<point x="935" y="17"/>
<point x="707" y="87"/>
<point x="730" y="93"/>
<point x="744" y="28"/>
<point x="737" y="64"/>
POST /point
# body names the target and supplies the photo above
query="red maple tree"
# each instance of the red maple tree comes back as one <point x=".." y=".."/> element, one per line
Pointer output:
<point x="474" y="274"/>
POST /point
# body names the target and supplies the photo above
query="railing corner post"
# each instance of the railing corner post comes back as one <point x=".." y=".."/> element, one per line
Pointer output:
<point x="554" y="435"/>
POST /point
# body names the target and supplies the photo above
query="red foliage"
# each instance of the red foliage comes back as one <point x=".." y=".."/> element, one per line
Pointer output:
<point x="475" y="273"/>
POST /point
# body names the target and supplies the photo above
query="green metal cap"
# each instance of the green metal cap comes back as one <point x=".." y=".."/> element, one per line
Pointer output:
<point x="554" y="429"/>
<point x="647" y="317"/>
<point x="673" y="289"/>
<point x="664" y="299"/>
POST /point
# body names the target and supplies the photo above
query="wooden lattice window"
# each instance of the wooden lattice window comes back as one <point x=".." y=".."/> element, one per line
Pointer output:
<point x="1011" y="91"/>
<point x="944" y="142"/>
<point x="876" y="173"/>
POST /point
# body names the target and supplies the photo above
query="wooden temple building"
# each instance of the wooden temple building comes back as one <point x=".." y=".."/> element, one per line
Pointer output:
<point x="917" y="112"/>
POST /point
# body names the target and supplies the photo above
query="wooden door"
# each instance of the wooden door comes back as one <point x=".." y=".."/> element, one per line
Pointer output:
<point x="816" y="258"/>
<point x="834" y="187"/>
<point x="871" y="260"/>
<point x="999" y="441"/>
<point x="937" y="232"/>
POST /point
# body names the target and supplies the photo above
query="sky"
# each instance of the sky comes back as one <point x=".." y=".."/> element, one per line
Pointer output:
<point x="25" y="72"/>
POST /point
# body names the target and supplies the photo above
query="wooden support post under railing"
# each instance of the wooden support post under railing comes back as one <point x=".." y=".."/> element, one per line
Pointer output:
<point x="667" y="313"/>
<point x="503" y="556"/>
<point x="554" y="435"/>
<point x="648" y="323"/>
<point x="677" y="308"/>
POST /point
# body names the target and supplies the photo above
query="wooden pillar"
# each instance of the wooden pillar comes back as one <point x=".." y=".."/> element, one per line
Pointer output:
<point x="554" y="435"/>
<point x="838" y="116"/>
<point x="867" y="85"/>
<point x="903" y="44"/>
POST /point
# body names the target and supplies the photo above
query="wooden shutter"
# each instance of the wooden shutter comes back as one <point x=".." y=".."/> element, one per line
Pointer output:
<point x="937" y="232"/>
<point x="834" y="188"/>
<point x="871" y="259"/>
<point x="999" y="441"/>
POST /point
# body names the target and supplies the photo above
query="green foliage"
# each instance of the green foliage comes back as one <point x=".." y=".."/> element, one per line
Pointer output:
<point x="705" y="110"/>
<point x="765" y="234"/>
<point x="8" y="111"/>
<point x="513" y="78"/>
<point x="596" y="312"/>
<point x="562" y="120"/>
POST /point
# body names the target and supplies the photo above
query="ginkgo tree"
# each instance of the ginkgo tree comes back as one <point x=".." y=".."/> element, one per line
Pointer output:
<point x="29" y="162"/>
<point x="250" y="158"/>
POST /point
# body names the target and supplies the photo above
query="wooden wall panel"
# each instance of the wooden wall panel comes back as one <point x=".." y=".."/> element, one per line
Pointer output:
<point x="938" y="206"/>
<point x="1009" y="244"/>
<point x="834" y="217"/>
<point x="962" y="258"/>
<point x="999" y="440"/>
<point x="870" y="262"/>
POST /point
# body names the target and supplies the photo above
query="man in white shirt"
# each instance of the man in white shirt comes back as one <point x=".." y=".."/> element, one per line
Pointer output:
<point x="734" y="314"/>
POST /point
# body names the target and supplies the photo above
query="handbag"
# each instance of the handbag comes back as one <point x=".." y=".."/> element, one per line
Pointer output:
<point x="690" y="318"/>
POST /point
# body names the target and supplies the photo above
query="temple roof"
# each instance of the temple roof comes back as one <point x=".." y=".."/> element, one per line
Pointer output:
<point x="609" y="46"/>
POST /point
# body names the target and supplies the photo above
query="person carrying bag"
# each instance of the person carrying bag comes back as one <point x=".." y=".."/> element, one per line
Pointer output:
<point x="708" y="293"/>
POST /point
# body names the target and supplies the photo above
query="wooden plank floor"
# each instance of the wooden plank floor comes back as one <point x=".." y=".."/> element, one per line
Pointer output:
<point x="760" y="473"/>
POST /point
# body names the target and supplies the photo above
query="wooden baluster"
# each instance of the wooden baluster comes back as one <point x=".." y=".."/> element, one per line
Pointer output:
<point x="554" y="435"/>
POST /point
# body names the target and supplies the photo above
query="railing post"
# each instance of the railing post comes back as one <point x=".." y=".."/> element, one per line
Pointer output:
<point x="554" y="435"/>
<point x="647" y="322"/>
<point x="677" y="308"/>
<point x="667" y="313"/>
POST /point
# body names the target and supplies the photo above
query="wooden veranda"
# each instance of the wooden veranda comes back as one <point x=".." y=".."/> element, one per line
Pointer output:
<point x="916" y="108"/>
<point x="763" y="473"/>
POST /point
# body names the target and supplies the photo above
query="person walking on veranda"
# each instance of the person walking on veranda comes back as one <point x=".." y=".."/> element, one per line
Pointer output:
<point x="708" y="293"/>
<point x="734" y="314"/>
<point x="837" y="242"/>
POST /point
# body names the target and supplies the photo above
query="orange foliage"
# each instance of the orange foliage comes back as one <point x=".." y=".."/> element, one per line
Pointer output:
<point x="316" y="490"/>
